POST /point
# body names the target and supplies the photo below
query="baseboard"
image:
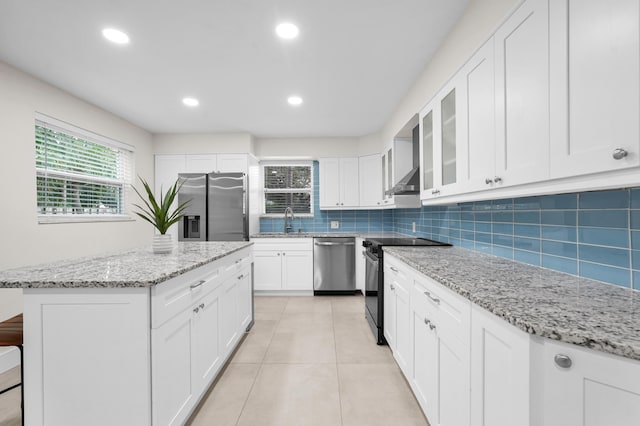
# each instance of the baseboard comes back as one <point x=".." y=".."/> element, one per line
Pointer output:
<point x="9" y="358"/>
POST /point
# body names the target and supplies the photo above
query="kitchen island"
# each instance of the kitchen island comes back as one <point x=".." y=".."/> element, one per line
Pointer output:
<point x="132" y="338"/>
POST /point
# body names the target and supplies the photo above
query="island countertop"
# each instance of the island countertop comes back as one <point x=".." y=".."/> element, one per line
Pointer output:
<point x="131" y="268"/>
<point x="540" y="301"/>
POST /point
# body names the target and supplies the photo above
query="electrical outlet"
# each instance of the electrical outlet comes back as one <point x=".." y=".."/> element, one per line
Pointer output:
<point x="413" y="226"/>
<point x="335" y="224"/>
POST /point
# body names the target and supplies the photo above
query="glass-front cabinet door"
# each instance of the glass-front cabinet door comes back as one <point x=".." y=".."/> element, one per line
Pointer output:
<point x="426" y="152"/>
<point x="448" y="132"/>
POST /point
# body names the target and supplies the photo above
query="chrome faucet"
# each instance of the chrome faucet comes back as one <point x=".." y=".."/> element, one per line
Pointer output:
<point x="288" y="220"/>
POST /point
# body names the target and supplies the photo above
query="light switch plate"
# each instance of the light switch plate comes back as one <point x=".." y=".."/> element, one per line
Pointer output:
<point x="335" y="224"/>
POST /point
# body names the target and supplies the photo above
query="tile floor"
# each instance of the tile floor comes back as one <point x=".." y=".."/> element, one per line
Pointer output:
<point x="307" y="361"/>
<point x="310" y="361"/>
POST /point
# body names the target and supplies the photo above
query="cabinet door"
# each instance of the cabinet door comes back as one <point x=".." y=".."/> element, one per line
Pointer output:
<point x="229" y="163"/>
<point x="329" y="182"/>
<point x="349" y="186"/>
<point x="453" y="379"/>
<point x="425" y="367"/>
<point x="204" y="163"/>
<point x="245" y="297"/>
<point x="297" y="267"/>
<point x="449" y="135"/>
<point x="427" y="152"/>
<point x="595" y="70"/>
<point x="597" y="389"/>
<point x="499" y="371"/>
<point x="389" y="313"/>
<point x="477" y="119"/>
<point x="522" y="95"/>
<point x="370" y="180"/>
<point x="267" y="268"/>
<point x="404" y="340"/>
<point x="171" y="363"/>
<point x="206" y="341"/>
<point x="229" y="315"/>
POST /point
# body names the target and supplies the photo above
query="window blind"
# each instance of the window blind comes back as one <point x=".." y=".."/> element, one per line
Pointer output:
<point x="288" y="186"/>
<point x="79" y="173"/>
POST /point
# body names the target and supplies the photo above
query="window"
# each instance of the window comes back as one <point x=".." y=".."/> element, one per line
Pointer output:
<point x="80" y="176"/>
<point x="288" y="185"/>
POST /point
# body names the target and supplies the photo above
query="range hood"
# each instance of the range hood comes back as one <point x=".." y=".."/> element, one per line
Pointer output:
<point x="410" y="183"/>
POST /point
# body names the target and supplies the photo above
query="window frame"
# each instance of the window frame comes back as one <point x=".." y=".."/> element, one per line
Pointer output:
<point x="124" y="181"/>
<point x="264" y="191"/>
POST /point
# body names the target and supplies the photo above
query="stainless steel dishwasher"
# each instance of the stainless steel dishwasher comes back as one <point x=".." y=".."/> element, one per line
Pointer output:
<point x="334" y="270"/>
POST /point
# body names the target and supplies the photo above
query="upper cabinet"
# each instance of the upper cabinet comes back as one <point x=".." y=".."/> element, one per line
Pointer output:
<point x="442" y="155"/>
<point x="595" y="86"/>
<point x="339" y="187"/>
<point x="370" y="180"/>
<point x="522" y="95"/>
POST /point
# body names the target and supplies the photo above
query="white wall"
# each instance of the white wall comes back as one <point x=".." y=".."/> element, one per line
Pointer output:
<point x="24" y="241"/>
<point x="479" y="21"/>
<point x="306" y="147"/>
<point x="226" y="143"/>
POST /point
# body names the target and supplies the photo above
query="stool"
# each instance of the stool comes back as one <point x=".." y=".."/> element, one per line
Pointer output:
<point x="11" y="335"/>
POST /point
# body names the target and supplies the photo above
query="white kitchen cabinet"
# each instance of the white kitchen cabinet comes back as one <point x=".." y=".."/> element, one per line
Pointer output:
<point x="522" y="95"/>
<point x="339" y="187"/>
<point x="441" y="352"/>
<point x="370" y="180"/>
<point x="282" y="264"/>
<point x="229" y="318"/>
<point x="207" y="353"/>
<point x="595" y="69"/>
<point x="229" y="163"/>
<point x="443" y="157"/>
<point x="478" y="120"/>
<point x="201" y="163"/>
<point x="588" y="388"/>
<point x="397" y="312"/>
<point x="500" y="358"/>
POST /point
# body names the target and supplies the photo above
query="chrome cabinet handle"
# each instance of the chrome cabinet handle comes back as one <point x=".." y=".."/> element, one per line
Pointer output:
<point x="435" y="191"/>
<point x="563" y="361"/>
<point x="392" y="287"/>
<point x="619" y="153"/>
<point x="278" y="254"/>
<point x="337" y="204"/>
<point x="432" y="326"/>
<point x="497" y="179"/>
<point x="434" y="299"/>
<point x="240" y="276"/>
<point x="284" y="254"/>
<point x="488" y="181"/>
<point x="393" y="269"/>
<point x="202" y="306"/>
<point x="196" y="309"/>
<point x="198" y="284"/>
<point x="427" y="321"/>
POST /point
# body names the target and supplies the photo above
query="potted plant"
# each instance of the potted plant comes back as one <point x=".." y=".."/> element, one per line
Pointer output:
<point x="159" y="213"/>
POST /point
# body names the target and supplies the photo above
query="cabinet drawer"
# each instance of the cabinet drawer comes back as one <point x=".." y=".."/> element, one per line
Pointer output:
<point x="283" y="244"/>
<point x="450" y="311"/>
<point x="236" y="261"/>
<point x="173" y="296"/>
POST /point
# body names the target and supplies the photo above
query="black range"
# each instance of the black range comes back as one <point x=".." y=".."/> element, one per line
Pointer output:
<point x="374" y="281"/>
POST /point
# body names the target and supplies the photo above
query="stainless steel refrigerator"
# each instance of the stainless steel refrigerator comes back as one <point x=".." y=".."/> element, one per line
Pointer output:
<point x="219" y="207"/>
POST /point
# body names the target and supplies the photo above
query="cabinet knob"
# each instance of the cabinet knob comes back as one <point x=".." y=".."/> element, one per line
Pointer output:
<point x="427" y="321"/>
<point x="240" y="276"/>
<point x="392" y="287"/>
<point x="278" y="254"/>
<point x="497" y="179"/>
<point x="488" y="181"/>
<point x="432" y="326"/>
<point x="196" y="309"/>
<point x="619" y="153"/>
<point x="563" y="361"/>
<point x="378" y="202"/>
<point x="202" y="306"/>
<point x="284" y="254"/>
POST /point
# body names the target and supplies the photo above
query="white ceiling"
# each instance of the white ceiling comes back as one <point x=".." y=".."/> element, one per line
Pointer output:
<point x="352" y="63"/>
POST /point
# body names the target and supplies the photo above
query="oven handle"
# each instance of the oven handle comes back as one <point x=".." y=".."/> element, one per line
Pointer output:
<point x="372" y="257"/>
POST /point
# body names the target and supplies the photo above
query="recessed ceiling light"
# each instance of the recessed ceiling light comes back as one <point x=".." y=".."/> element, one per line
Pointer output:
<point x="294" y="100"/>
<point x="115" y="36"/>
<point x="192" y="102"/>
<point x="287" y="30"/>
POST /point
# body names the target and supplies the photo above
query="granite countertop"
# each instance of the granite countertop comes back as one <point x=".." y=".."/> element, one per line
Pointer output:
<point x="325" y="234"/>
<point x="539" y="301"/>
<point x="132" y="268"/>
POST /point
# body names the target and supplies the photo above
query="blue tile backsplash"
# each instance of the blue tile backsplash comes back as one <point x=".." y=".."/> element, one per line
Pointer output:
<point x="591" y="234"/>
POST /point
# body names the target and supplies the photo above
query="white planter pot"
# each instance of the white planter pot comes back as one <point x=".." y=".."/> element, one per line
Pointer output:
<point x="162" y="243"/>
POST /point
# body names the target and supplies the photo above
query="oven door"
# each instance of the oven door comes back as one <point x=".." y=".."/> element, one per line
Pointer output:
<point x="372" y="285"/>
